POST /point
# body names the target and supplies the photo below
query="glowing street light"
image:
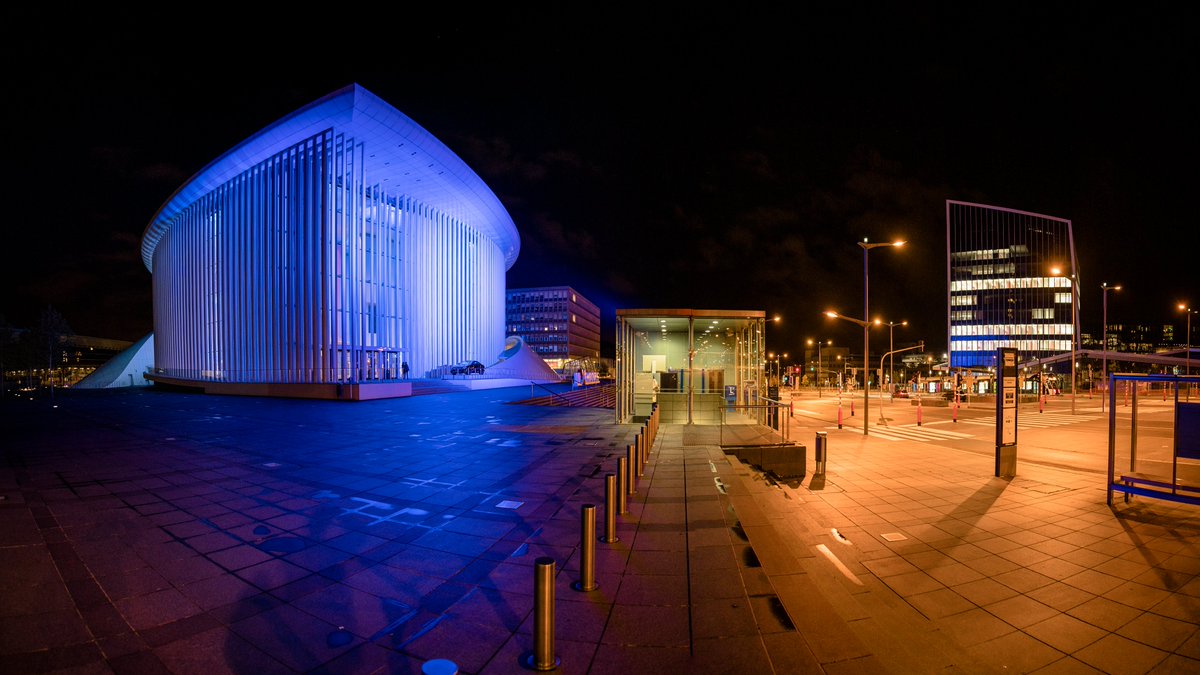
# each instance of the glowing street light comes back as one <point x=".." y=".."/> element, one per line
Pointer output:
<point x="891" y="348"/>
<point x="819" y="365"/>
<point x="1184" y="307"/>
<point x="866" y="248"/>
<point x="1105" y="288"/>
<point x="1057" y="271"/>
<point x="866" y="366"/>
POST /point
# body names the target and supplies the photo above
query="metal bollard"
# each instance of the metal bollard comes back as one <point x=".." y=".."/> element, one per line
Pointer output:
<point x="622" y="481"/>
<point x="640" y="451"/>
<point x="542" y="657"/>
<point x="630" y="469"/>
<point x="587" y="547"/>
<point x="610" y="508"/>
<point x="822" y="451"/>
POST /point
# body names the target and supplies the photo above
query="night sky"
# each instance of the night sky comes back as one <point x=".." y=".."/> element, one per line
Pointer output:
<point x="725" y="162"/>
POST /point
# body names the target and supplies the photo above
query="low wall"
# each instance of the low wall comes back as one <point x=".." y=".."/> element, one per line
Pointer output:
<point x="361" y="391"/>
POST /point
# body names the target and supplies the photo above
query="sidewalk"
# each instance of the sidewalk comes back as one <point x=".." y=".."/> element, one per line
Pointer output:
<point x="154" y="532"/>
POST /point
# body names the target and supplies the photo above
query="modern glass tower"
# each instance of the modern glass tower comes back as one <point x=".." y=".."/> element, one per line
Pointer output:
<point x="1013" y="282"/>
<point x="330" y="247"/>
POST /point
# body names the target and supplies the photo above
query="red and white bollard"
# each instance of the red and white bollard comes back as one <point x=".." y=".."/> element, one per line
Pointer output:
<point x="852" y="408"/>
<point x="1041" y="403"/>
<point x="918" y="412"/>
<point x="954" y="413"/>
<point x="839" y="414"/>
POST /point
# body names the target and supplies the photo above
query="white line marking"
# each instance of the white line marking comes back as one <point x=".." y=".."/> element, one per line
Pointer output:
<point x="838" y="564"/>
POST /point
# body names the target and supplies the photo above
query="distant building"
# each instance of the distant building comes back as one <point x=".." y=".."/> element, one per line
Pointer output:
<point x="557" y="322"/>
<point x="1003" y="290"/>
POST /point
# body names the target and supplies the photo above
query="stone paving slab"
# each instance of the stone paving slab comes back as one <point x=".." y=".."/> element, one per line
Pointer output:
<point x="150" y="531"/>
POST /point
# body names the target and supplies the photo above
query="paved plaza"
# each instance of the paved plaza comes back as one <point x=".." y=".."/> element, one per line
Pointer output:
<point x="144" y="531"/>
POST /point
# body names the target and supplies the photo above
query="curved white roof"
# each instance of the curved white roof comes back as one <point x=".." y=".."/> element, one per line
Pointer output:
<point x="402" y="157"/>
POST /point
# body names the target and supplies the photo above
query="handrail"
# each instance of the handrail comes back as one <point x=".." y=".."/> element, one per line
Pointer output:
<point x="533" y="384"/>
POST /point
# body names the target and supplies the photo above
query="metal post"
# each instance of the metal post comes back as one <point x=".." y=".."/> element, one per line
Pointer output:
<point x="543" y="657"/>
<point x="622" y="478"/>
<point x="610" y="507"/>
<point x="630" y="468"/>
<point x="1074" y="333"/>
<point x="587" y="544"/>
<point x="821" y="455"/>
<point x="640" y="450"/>
<point x="866" y="351"/>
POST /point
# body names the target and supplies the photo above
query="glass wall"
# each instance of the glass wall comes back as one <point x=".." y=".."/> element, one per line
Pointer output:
<point x="690" y="362"/>
<point x="1012" y="280"/>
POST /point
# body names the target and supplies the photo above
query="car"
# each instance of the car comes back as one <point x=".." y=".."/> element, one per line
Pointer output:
<point x="466" y="368"/>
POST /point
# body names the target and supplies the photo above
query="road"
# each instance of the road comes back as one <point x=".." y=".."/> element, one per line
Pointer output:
<point x="1049" y="434"/>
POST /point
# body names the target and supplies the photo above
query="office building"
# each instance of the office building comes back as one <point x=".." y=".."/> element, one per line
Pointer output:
<point x="558" y="323"/>
<point x="1012" y="281"/>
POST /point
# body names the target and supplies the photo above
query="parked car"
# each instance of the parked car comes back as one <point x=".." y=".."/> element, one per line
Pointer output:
<point x="466" y="368"/>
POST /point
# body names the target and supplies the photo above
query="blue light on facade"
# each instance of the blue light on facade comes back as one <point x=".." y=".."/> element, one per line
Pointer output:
<point x="332" y="246"/>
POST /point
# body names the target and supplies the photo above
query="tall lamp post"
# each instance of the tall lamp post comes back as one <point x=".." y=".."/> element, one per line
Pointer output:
<point x="1186" y="308"/>
<point x="866" y="247"/>
<point x="819" y="363"/>
<point x="1105" y="288"/>
<point x="1058" y="272"/>
<point x="891" y="349"/>
<point x="1187" y="337"/>
<point x="866" y="366"/>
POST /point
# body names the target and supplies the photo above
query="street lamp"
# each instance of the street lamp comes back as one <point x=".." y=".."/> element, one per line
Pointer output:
<point x="891" y="348"/>
<point x="1058" y="272"/>
<point x="819" y="363"/>
<point x="866" y="366"/>
<point x="1105" y="288"/>
<point x="866" y="247"/>
<point x="1187" y="309"/>
<point x="776" y="319"/>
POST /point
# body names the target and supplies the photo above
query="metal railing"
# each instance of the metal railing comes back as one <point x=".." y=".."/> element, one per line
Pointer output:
<point x="769" y="413"/>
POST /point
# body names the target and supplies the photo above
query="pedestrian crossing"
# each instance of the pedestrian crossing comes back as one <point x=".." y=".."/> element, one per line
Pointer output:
<point x="1044" y="420"/>
<point x="912" y="432"/>
<point x="930" y="432"/>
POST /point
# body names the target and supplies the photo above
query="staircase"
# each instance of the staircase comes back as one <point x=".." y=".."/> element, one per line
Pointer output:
<point x="421" y="387"/>
<point x="598" y="396"/>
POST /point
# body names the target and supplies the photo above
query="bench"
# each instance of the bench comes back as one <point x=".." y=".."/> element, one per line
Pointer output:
<point x="1151" y="486"/>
